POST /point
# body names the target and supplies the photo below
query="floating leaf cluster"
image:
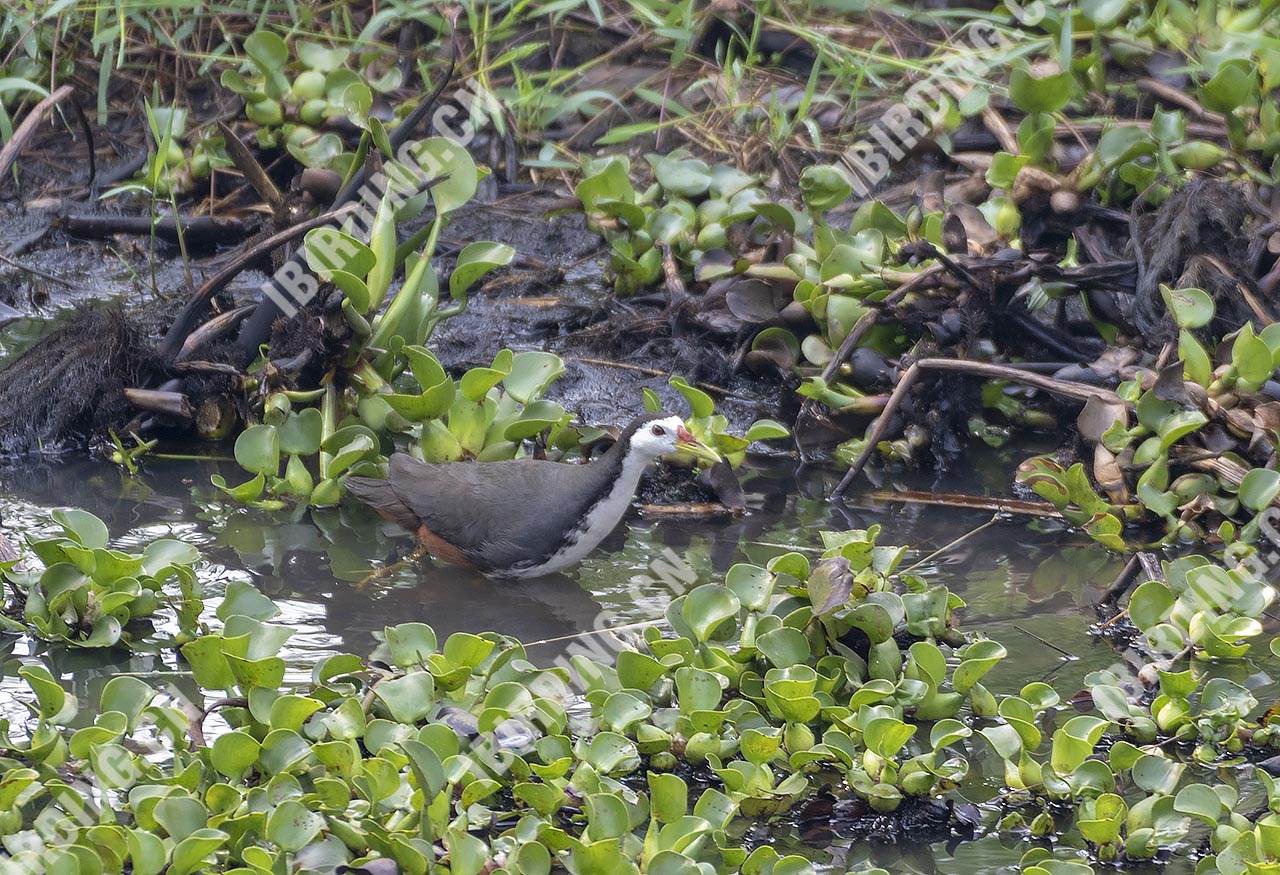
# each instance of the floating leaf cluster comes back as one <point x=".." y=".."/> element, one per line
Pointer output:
<point x="839" y="675"/>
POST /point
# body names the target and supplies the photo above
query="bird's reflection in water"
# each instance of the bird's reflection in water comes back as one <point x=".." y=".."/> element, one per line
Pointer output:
<point x="449" y="599"/>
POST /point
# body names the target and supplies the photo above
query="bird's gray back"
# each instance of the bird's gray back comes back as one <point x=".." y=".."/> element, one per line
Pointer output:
<point x="498" y="513"/>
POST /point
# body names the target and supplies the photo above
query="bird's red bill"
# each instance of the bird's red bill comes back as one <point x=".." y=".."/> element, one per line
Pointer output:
<point x="684" y="434"/>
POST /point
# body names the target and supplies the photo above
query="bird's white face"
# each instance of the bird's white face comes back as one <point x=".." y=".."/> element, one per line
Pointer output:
<point x="658" y="438"/>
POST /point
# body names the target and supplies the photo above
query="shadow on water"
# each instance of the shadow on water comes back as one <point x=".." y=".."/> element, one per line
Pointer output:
<point x="1031" y="587"/>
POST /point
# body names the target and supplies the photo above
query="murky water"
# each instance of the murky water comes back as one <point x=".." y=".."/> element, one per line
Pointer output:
<point x="1030" y="589"/>
<point x="1029" y="585"/>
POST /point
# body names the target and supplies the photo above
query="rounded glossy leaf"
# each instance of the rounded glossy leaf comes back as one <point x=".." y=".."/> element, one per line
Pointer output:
<point x="442" y="157"/>
<point x="706" y="608"/>
<point x="258" y="450"/>
<point x="784" y="647"/>
<point x="1191" y="308"/>
<point x="1259" y="488"/>
<point x="474" y="261"/>
<point x="82" y="527"/>
<point x="1040" y="94"/>
<point x="292" y="826"/>
<point x="233" y="752"/>
<point x="531" y="373"/>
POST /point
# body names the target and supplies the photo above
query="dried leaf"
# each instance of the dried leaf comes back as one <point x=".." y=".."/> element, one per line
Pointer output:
<point x="1098" y="415"/>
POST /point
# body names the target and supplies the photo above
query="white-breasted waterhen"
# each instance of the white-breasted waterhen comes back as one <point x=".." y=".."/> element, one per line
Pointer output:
<point x="528" y="517"/>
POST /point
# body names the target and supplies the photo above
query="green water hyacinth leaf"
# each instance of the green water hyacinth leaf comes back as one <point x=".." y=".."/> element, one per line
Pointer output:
<point x="947" y="732"/>
<point x="1251" y="356"/>
<point x="1191" y="308"/>
<point x="1040" y="94"/>
<point x="1074" y="742"/>
<point x="267" y="49"/>
<point x="408" y="698"/>
<point x="700" y="403"/>
<point x="536" y="418"/>
<point x="887" y="735"/>
<point x="609" y="181"/>
<point x="874" y="619"/>
<point x="301" y="433"/>
<point x="707" y="608"/>
<point x="180" y="816"/>
<point x="531" y="372"/>
<point x="639" y="671"/>
<point x="128" y="696"/>
<point x="1174" y="428"/>
<point x="291" y="826"/>
<point x="52" y="701"/>
<point x="1157" y="774"/>
<point x="246" y="492"/>
<point x="257" y="450"/>
<point x="978" y="659"/>
<point x="823" y="187"/>
<point x="766" y="430"/>
<point x="1201" y="802"/>
<point x="410" y="643"/>
<point x="622" y="711"/>
<point x="1150" y="604"/>
<point x="1101" y="819"/>
<point x="697" y="690"/>
<point x="330" y="251"/>
<point x="474" y="261"/>
<point x="1259" y="488"/>
<point x="426" y="368"/>
<point x="440" y="156"/>
<point x="83" y="527"/>
<point x="318" y="57"/>
<point x="1233" y="86"/>
<point x="752" y="585"/>
<point x="477" y="382"/>
<point x="1195" y="361"/>
<point x="192" y="852"/>
<point x="610" y="753"/>
<point x="234" y="752"/>
<point x="688" y="177"/>
<point x="784" y="647"/>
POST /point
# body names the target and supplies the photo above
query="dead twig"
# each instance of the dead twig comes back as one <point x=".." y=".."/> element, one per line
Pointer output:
<point x="967" y="502"/>
<point x="1066" y="654"/>
<point x="197" y="724"/>
<point x="177" y="335"/>
<point x="651" y="372"/>
<point x="1076" y="391"/>
<point x="27" y="129"/>
<point x="34" y="270"/>
<point x="1123" y="581"/>
<point x="194" y="231"/>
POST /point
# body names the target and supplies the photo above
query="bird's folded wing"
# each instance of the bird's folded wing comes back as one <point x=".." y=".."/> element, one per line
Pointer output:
<point x="497" y="512"/>
<point x="379" y="495"/>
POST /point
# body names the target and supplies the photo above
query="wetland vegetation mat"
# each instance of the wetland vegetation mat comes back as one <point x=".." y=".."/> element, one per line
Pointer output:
<point x="864" y="250"/>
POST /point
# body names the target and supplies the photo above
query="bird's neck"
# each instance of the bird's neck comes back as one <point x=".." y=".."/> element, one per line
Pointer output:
<point x="630" y="470"/>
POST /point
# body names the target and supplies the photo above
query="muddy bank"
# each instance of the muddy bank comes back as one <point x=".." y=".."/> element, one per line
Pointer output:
<point x="101" y="327"/>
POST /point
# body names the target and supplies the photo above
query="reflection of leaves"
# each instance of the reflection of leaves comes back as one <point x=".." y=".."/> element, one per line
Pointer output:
<point x="1062" y="572"/>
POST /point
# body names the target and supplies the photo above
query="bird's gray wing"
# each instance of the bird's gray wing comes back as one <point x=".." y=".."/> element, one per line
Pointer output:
<point x="380" y="496"/>
<point x="496" y="513"/>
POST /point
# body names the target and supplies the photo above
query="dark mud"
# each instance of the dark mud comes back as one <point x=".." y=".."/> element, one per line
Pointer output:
<point x="67" y="364"/>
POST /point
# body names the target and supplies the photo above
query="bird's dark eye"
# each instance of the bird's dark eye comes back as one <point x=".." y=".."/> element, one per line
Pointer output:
<point x="658" y="431"/>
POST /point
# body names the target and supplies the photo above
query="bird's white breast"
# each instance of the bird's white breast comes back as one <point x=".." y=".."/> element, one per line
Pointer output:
<point x="600" y="520"/>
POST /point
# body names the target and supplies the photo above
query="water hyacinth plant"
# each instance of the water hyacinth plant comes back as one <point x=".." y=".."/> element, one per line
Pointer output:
<point x="799" y="676"/>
